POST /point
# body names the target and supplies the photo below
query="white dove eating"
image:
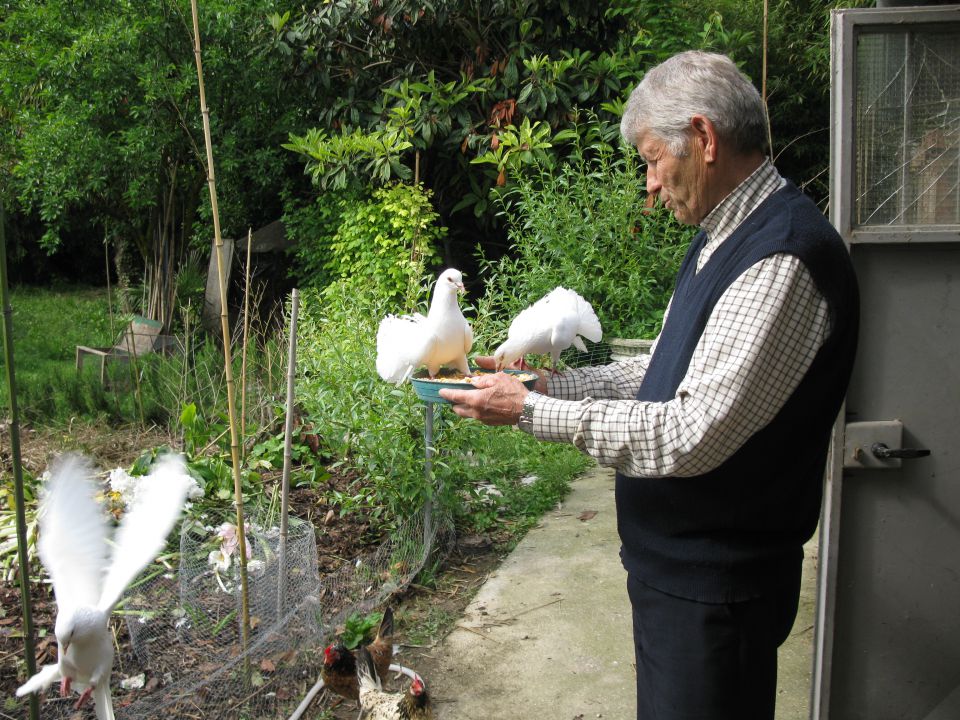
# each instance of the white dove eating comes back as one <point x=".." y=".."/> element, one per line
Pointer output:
<point x="441" y="338"/>
<point x="89" y="576"/>
<point x="553" y="323"/>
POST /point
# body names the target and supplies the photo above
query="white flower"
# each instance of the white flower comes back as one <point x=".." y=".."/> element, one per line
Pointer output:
<point x="125" y="484"/>
<point x="194" y="491"/>
<point x="219" y="559"/>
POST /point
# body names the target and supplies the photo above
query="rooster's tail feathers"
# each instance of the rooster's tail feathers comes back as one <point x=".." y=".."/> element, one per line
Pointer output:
<point x="367" y="677"/>
<point x="385" y="630"/>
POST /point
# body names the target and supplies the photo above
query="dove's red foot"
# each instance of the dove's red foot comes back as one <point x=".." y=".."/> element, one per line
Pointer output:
<point x="65" y="687"/>
<point x="84" y="696"/>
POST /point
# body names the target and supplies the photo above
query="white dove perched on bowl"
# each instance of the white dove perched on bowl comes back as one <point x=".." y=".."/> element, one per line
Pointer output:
<point x="442" y="337"/>
<point x="89" y="576"/>
<point x="556" y="321"/>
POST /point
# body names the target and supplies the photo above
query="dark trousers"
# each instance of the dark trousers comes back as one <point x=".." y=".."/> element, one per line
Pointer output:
<point x="701" y="661"/>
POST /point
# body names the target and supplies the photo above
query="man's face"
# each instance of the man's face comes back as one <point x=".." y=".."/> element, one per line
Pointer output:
<point x="678" y="182"/>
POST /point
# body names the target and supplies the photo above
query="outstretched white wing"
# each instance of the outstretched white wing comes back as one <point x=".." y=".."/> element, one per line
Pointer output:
<point x="39" y="682"/>
<point x="144" y="528"/>
<point x="73" y="531"/>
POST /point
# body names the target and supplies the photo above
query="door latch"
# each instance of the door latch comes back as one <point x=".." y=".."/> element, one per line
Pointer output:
<point x="881" y="451"/>
<point x="877" y="445"/>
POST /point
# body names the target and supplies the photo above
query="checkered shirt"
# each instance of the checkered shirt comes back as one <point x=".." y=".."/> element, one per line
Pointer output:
<point x="757" y="345"/>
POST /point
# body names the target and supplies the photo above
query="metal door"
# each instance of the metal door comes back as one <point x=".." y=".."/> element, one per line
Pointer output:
<point x="888" y="617"/>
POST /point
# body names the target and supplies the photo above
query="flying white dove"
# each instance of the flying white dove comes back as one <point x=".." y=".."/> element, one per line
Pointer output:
<point x="551" y="325"/>
<point x="89" y="576"/>
<point x="443" y="337"/>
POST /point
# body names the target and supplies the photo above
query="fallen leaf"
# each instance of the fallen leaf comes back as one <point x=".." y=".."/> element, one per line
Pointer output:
<point x="587" y="515"/>
<point x="267" y="665"/>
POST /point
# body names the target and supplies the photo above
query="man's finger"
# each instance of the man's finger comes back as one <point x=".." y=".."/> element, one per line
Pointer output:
<point x="454" y="396"/>
<point x="485" y="362"/>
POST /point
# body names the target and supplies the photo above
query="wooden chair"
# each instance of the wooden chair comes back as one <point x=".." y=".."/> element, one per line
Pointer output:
<point x="138" y="338"/>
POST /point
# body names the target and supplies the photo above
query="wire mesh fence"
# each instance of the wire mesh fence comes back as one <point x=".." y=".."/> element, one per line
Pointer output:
<point x="184" y="623"/>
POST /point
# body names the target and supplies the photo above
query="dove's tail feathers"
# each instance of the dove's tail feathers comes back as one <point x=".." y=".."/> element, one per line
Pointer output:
<point x="73" y="532"/>
<point x="102" y="703"/>
<point x="145" y="526"/>
<point x="367" y="677"/>
<point x="41" y="681"/>
<point x="589" y="323"/>
<point x="396" y="342"/>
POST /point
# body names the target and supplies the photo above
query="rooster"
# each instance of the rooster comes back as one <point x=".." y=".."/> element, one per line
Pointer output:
<point x="339" y="671"/>
<point x="414" y="704"/>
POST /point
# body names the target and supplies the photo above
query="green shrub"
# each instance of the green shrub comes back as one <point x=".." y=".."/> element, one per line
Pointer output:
<point x="364" y="422"/>
<point x="378" y="428"/>
<point x="584" y="226"/>
<point x="312" y="227"/>
<point x="387" y="240"/>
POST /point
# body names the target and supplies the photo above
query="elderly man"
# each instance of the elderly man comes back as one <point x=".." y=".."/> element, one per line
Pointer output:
<point x="720" y="437"/>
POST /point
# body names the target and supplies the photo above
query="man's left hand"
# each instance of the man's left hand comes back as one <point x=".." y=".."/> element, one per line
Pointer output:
<point x="497" y="400"/>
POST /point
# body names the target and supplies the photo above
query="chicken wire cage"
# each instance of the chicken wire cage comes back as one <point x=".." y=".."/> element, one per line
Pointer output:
<point x="184" y="622"/>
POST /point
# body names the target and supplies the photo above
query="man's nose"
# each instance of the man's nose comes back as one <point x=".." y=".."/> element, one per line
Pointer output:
<point x="653" y="182"/>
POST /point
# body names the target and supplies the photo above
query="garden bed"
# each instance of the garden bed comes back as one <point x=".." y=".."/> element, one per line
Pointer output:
<point x="424" y="614"/>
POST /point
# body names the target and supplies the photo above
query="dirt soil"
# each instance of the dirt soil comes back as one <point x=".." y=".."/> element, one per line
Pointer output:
<point x="424" y="615"/>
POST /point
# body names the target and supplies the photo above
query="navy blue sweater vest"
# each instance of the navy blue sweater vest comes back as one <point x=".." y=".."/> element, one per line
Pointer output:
<point x="738" y="530"/>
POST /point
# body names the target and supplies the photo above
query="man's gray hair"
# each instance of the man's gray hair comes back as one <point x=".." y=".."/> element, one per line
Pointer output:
<point x="696" y="83"/>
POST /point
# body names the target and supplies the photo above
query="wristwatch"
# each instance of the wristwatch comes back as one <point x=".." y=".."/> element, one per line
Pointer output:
<point x="525" y="421"/>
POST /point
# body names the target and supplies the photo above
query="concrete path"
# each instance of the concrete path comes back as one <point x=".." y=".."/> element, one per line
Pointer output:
<point x="548" y="635"/>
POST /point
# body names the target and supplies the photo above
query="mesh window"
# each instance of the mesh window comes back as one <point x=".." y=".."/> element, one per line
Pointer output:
<point x="907" y="120"/>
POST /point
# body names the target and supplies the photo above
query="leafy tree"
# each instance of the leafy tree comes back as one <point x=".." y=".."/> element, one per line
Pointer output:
<point x="463" y="95"/>
<point x="466" y="95"/>
<point x="102" y="133"/>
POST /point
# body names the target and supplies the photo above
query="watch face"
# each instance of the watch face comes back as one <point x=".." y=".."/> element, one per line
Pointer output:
<point x="525" y="421"/>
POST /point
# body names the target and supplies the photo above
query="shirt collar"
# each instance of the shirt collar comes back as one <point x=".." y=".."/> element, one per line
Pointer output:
<point x="746" y="197"/>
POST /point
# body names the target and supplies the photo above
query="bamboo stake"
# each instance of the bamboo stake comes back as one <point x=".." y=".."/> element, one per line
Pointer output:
<point x="225" y="328"/>
<point x="763" y="93"/>
<point x="287" y="450"/>
<point x="24" y="560"/>
<point x="246" y="332"/>
<point x="106" y="257"/>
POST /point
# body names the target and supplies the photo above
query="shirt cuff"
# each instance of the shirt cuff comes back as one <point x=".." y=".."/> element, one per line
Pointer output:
<point x="551" y="419"/>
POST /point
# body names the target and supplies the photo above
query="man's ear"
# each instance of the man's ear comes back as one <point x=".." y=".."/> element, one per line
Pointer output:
<point x="705" y="134"/>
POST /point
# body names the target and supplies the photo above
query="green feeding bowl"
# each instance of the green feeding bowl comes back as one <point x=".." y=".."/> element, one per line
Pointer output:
<point x="429" y="390"/>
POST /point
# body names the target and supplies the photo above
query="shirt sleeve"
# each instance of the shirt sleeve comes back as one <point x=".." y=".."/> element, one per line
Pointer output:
<point x="616" y="381"/>
<point x="756" y="347"/>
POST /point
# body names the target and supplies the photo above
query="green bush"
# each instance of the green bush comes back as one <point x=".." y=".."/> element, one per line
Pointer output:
<point x="377" y="428"/>
<point x="584" y="226"/>
<point x="386" y="240"/>
<point x="312" y="227"/>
